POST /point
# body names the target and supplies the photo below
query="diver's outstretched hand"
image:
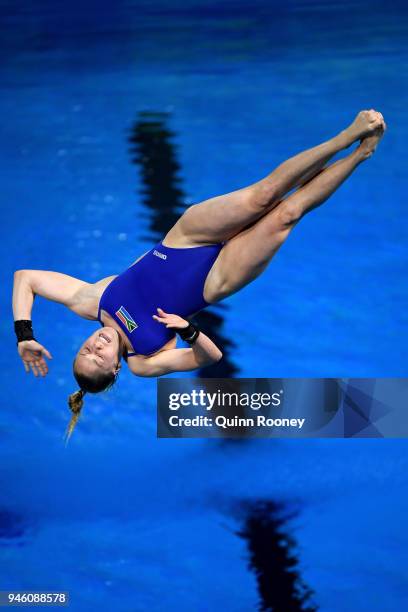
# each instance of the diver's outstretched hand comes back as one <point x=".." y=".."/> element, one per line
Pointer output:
<point x="32" y="354"/>
<point x="171" y="321"/>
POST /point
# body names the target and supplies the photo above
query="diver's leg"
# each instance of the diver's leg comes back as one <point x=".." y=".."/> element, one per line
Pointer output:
<point x="246" y="255"/>
<point x="220" y="218"/>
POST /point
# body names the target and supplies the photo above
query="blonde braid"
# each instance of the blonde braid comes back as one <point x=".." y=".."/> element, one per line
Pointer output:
<point x="75" y="402"/>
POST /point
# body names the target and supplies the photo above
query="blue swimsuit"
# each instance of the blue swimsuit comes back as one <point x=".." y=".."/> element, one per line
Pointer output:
<point x="169" y="278"/>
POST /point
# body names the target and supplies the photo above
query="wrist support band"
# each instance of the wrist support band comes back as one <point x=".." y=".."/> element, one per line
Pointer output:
<point x="189" y="334"/>
<point x="24" y="330"/>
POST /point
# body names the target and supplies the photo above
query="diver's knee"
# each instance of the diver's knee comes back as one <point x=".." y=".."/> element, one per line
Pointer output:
<point x="289" y="213"/>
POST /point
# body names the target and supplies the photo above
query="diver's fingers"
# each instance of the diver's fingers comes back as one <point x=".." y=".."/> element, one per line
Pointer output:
<point x="161" y="311"/>
<point x="42" y="366"/>
<point x="160" y="319"/>
<point x="38" y="367"/>
<point x="26" y="366"/>
<point x="33" y="368"/>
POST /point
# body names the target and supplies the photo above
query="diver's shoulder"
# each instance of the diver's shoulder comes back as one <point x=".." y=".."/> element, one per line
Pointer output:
<point x="87" y="298"/>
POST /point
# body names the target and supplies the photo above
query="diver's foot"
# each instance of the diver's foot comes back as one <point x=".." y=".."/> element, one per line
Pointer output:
<point x="365" y="124"/>
<point x="369" y="143"/>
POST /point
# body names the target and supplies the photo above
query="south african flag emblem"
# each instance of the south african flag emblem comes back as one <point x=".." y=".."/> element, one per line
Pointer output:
<point x="126" y="319"/>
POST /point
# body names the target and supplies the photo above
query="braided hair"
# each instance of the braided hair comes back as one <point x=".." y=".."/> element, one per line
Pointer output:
<point x="75" y="402"/>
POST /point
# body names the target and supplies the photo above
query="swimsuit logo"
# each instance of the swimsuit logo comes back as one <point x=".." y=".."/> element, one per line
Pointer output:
<point x="126" y="319"/>
<point x="161" y="255"/>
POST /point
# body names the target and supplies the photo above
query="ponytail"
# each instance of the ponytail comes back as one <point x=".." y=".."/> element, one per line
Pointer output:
<point x="75" y="402"/>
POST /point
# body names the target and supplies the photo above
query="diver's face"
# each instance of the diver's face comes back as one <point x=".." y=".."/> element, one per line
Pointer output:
<point x="100" y="352"/>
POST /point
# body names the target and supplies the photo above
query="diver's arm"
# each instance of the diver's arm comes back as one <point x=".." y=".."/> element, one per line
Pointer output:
<point x="23" y="296"/>
<point x="50" y="285"/>
<point x="174" y="360"/>
<point x="53" y="286"/>
<point x="203" y="352"/>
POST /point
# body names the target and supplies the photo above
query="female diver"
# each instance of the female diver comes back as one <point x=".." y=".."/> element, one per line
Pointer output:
<point x="216" y="247"/>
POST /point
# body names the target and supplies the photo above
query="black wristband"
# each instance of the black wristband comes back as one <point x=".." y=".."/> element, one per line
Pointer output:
<point x="189" y="334"/>
<point x="24" y="330"/>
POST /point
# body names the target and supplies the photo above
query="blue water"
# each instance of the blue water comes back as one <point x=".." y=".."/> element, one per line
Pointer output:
<point x="120" y="519"/>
